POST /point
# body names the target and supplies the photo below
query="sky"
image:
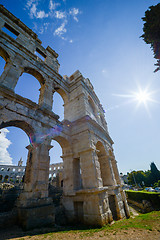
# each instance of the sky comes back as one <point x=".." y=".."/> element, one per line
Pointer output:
<point x="101" y="39"/>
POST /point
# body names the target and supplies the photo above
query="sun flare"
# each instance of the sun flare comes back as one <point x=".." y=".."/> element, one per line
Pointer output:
<point x="142" y="96"/>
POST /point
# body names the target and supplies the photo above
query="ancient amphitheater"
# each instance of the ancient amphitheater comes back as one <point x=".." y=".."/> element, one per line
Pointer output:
<point x="92" y="192"/>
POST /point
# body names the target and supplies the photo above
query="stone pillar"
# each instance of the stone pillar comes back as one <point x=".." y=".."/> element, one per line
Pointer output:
<point x="114" y="183"/>
<point x="68" y="186"/>
<point x="46" y="95"/>
<point x="68" y="175"/>
<point x="115" y="170"/>
<point x="126" y="207"/>
<point x="106" y="171"/>
<point x="37" y="171"/>
<point x="35" y="209"/>
<point x="91" y="177"/>
<point x="10" y="75"/>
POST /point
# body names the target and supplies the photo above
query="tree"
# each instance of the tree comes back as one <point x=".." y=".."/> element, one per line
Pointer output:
<point x="147" y="178"/>
<point x="155" y="172"/>
<point x="151" y="30"/>
<point x="136" y="177"/>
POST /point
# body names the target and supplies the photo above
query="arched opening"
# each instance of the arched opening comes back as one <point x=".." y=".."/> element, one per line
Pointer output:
<point x="4" y="59"/>
<point x="104" y="165"/>
<point x="56" y="168"/>
<point x="60" y="147"/>
<point x="13" y="142"/>
<point x="13" y="152"/>
<point x="55" y="164"/>
<point x="55" y="153"/>
<point x="28" y="87"/>
<point x="92" y="108"/>
<point x="58" y="105"/>
<point x="2" y="65"/>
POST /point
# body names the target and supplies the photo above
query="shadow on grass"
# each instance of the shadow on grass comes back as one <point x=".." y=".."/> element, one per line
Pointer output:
<point x="17" y="232"/>
<point x="146" y="221"/>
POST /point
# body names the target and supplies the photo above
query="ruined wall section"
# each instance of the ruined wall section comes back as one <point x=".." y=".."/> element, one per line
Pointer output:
<point x="83" y="101"/>
<point x="91" y="180"/>
<point x="22" y="55"/>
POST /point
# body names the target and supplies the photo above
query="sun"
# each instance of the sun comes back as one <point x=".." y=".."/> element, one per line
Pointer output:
<point x="142" y="96"/>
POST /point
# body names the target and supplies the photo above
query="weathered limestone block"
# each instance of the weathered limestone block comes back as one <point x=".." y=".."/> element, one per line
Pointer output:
<point x="89" y="172"/>
<point x="10" y="76"/>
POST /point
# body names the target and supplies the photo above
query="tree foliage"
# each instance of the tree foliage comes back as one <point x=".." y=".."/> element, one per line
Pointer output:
<point x="151" y="30"/>
<point x="147" y="178"/>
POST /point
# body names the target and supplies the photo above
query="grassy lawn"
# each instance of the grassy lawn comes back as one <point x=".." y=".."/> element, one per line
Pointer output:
<point x="145" y="226"/>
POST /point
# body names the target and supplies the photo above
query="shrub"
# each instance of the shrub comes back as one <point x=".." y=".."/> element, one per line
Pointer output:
<point x="138" y="196"/>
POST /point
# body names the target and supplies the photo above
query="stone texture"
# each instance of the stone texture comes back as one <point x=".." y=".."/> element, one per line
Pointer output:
<point x="83" y="135"/>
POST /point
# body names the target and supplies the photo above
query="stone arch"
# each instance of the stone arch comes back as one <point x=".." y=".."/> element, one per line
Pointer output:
<point x="104" y="164"/>
<point x="63" y="142"/>
<point x="92" y="106"/>
<point x="67" y="163"/>
<point x="25" y="127"/>
<point x="35" y="74"/>
<point x="20" y="124"/>
<point x="58" y="105"/>
<point x="63" y="94"/>
<point x="4" y="60"/>
<point x="4" y="55"/>
<point x="64" y="97"/>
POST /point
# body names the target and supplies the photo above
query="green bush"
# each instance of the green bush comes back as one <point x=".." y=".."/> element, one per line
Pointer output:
<point x="138" y="196"/>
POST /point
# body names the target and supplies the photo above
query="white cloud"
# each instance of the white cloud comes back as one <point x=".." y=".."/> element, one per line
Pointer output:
<point x="35" y="27"/>
<point x="5" y="157"/>
<point x="42" y="14"/>
<point x="44" y="27"/>
<point x="74" y="12"/>
<point x="61" y="30"/>
<point x="33" y="11"/>
<point x="53" y="6"/>
<point x="60" y="14"/>
<point x="61" y="17"/>
<point x="30" y="2"/>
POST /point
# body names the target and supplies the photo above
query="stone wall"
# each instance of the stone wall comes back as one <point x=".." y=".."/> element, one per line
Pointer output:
<point x="92" y="191"/>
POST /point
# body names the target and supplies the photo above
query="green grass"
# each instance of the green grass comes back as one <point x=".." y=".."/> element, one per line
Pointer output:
<point x="149" y="221"/>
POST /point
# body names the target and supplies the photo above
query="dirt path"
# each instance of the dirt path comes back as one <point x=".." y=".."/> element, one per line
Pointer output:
<point x="130" y="234"/>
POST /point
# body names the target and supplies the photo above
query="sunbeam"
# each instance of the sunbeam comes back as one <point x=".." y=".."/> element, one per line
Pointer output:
<point x="142" y="97"/>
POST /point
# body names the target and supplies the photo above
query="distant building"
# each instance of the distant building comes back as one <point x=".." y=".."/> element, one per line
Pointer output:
<point x="124" y="178"/>
<point x="14" y="174"/>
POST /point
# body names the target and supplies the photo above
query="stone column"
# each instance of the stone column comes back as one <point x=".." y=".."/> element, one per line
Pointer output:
<point x="37" y="171"/>
<point x="90" y="169"/>
<point x="114" y="183"/>
<point x="115" y="170"/>
<point x="35" y="208"/>
<point x="68" y="175"/>
<point x="46" y="95"/>
<point x="106" y="171"/>
<point x="10" y="75"/>
<point x="126" y="207"/>
<point x="68" y="186"/>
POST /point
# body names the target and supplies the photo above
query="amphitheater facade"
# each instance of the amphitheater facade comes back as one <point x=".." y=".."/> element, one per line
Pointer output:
<point x="92" y="192"/>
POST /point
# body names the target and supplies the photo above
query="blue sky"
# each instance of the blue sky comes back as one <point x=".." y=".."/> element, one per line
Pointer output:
<point x="101" y="38"/>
